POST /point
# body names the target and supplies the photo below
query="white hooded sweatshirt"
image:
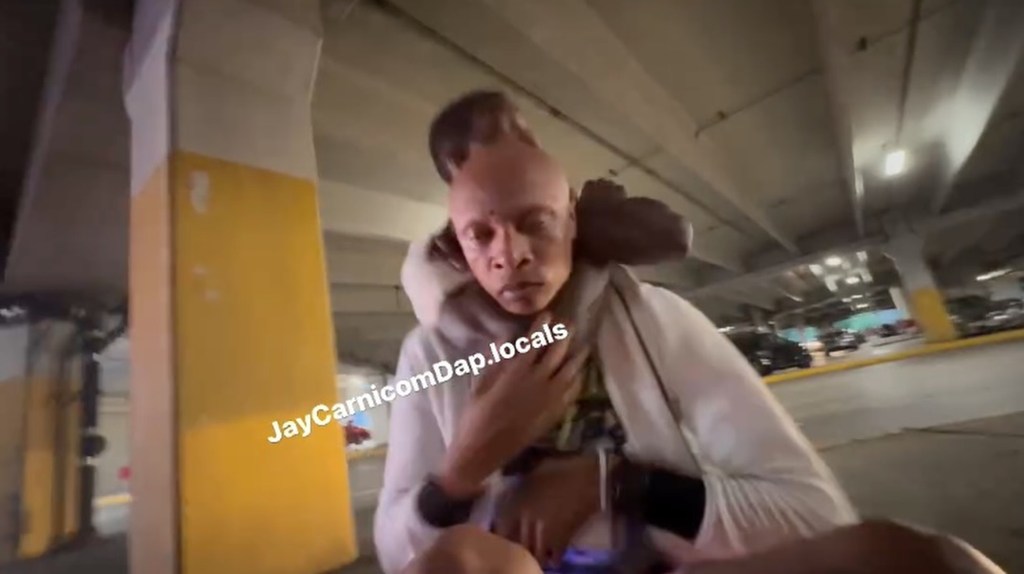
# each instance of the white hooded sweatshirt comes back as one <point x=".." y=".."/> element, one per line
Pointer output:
<point x="715" y="419"/>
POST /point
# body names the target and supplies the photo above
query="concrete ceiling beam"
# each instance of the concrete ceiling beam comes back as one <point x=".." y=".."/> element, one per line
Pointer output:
<point x="369" y="299"/>
<point x="349" y="210"/>
<point x="994" y="58"/>
<point x="837" y="75"/>
<point x="572" y="34"/>
<point x="966" y="236"/>
<point x="933" y="224"/>
<point x="367" y="151"/>
<point x="751" y="294"/>
<point x="72" y="220"/>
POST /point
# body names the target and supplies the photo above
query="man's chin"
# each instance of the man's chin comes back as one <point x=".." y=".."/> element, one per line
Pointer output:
<point x="525" y="305"/>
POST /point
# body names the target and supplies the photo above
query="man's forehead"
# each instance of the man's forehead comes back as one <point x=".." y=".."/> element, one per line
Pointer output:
<point x="509" y="172"/>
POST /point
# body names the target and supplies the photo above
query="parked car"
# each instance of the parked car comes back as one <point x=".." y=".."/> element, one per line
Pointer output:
<point x="975" y="315"/>
<point x="768" y="352"/>
<point x="888" y="330"/>
<point x="1003" y="316"/>
<point x="841" y="340"/>
<point x="355" y="434"/>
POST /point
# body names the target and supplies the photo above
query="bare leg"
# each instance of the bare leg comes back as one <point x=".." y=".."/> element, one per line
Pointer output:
<point x="470" y="550"/>
<point x="875" y="547"/>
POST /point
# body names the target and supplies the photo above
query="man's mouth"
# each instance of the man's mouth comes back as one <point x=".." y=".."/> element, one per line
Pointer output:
<point x="521" y="289"/>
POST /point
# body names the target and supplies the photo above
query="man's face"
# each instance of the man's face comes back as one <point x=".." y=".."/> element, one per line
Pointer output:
<point x="511" y="210"/>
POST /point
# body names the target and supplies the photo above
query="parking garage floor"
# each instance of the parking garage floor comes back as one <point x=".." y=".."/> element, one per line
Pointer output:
<point x="937" y="441"/>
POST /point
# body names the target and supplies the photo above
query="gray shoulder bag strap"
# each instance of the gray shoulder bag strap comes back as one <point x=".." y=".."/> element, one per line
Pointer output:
<point x="639" y="556"/>
<point x="671" y="400"/>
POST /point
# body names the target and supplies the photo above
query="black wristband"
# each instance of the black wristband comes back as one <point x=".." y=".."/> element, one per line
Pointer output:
<point x="675" y="502"/>
<point x="440" y="510"/>
<point x="629" y="488"/>
<point x="659" y="498"/>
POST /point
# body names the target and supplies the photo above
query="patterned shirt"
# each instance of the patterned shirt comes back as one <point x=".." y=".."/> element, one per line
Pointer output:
<point x="589" y="423"/>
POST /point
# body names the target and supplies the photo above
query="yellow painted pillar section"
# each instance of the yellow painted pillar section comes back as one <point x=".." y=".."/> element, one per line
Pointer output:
<point x="929" y="311"/>
<point x="50" y="475"/>
<point x="252" y="344"/>
<point x="925" y="301"/>
<point x="231" y="319"/>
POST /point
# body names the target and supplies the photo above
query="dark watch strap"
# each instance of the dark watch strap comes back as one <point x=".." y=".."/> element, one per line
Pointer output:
<point x="659" y="497"/>
<point x="629" y="488"/>
<point x="440" y="510"/>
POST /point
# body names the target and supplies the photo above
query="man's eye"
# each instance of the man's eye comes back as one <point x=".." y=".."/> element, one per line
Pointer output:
<point x="478" y="236"/>
<point x="537" y="224"/>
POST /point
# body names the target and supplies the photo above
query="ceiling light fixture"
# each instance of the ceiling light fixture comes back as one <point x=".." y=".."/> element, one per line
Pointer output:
<point x="992" y="274"/>
<point x="833" y="261"/>
<point x="895" y="162"/>
<point x="852" y="280"/>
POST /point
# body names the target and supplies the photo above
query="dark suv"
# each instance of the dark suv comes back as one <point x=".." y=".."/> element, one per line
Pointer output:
<point x="768" y="352"/>
<point x="841" y="340"/>
<point x="974" y="315"/>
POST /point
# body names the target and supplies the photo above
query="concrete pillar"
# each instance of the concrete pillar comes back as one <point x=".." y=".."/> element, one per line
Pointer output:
<point x="921" y="295"/>
<point x="757" y="317"/>
<point x="899" y="300"/>
<point x="70" y="236"/>
<point x="231" y="324"/>
<point x="1005" y="287"/>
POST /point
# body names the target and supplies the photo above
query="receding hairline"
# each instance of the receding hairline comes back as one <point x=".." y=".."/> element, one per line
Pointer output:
<point x="508" y="169"/>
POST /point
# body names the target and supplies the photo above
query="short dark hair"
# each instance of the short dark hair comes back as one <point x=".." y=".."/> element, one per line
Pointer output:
<point x="477" y="117"/>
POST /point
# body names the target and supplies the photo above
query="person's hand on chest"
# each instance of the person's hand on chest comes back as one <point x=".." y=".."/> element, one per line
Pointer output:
<point x="515" y="402"/>
<point x="550" y="504"/>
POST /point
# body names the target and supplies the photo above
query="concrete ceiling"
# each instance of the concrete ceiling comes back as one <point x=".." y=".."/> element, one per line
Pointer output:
<point x="770" y="138"/>
<point x="25" y="34"/>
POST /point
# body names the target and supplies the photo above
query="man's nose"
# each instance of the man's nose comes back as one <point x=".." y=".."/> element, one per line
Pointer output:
<point x="511" y="250"/>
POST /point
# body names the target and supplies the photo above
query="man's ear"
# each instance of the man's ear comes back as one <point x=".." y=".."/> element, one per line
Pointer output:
<point x="574" y="225"/>
<point x="452" y="169"/>
<point x="445" y="246"/>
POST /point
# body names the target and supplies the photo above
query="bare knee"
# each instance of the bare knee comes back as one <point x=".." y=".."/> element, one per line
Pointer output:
<point x="899" y="548"/>
<point x="467" y="549"/>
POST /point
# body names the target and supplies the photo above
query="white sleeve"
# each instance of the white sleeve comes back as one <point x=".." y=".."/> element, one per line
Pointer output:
<point x="416" y="447"/>
<point x="764" y="481"/>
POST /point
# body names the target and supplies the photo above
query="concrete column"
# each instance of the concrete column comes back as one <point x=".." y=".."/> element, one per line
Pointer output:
<point x="1006" y="287"/>
<point x="70" y="236"/>
<point x="924" y="300"/>
<point x="231" y="324"/>
<point x="899" y="300"/>
<point x="757" y="317"/>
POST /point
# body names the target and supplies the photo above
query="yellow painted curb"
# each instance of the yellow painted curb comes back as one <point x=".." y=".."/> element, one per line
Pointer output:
<point x="928" y="349"/>
<point x="112" y="500"/>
